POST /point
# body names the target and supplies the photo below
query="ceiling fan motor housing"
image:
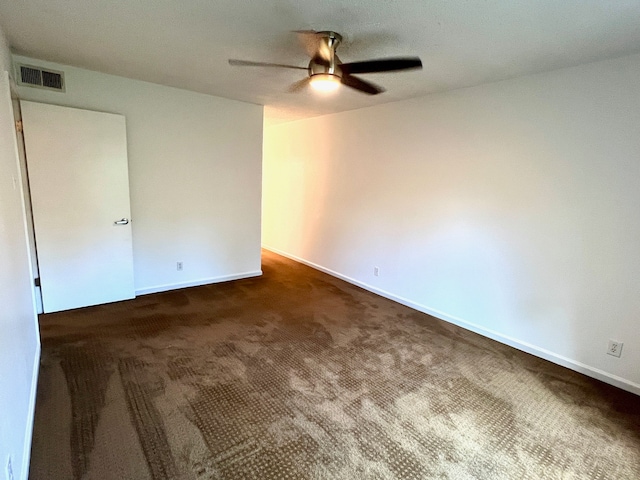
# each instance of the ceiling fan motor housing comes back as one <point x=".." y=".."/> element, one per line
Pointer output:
<point x="326" y="62"/>
<point x="316" y="68"/>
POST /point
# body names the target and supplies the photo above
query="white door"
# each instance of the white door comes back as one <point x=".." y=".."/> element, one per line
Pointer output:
<point x="79" y="182"/>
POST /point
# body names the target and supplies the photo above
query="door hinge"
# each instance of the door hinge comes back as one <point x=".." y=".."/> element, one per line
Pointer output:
<point x="19" y="126"/>
<point x="37" y="281"/>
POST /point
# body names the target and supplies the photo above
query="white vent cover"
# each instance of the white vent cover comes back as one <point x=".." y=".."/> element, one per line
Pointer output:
<point x="31" y="76"/>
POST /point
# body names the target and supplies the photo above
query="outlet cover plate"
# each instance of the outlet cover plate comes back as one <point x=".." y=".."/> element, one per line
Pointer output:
<point x="615" y="348"/>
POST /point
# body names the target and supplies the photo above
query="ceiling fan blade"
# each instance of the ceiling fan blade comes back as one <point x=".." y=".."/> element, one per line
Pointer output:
<point x="247" y="63"/>
<point x="299" y="85"/>
<point x="361" y="85"/>
<point x="382" y="65"/>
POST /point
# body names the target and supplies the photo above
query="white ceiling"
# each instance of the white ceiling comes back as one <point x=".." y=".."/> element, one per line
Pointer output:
<point x="186" y="43"/>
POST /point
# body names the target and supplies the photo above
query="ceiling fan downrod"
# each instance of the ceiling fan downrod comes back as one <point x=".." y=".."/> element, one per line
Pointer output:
<point x="326" y="61"/>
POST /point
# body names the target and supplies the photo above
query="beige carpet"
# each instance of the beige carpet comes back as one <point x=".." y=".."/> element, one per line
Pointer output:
<point x="298" y="375"/>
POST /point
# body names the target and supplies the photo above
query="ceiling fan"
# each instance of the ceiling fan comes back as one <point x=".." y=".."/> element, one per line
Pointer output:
<point x="326" y="72"/>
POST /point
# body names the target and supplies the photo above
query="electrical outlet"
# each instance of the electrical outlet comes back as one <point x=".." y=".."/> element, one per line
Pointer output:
<point x="9" y="469"/>
<point x="179" y="266"/>
<point x="376" y="271"/>
<point x="615" y="348"/>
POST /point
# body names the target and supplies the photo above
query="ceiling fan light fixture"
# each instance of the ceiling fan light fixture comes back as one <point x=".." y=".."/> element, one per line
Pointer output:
<point x="325" y="82"/>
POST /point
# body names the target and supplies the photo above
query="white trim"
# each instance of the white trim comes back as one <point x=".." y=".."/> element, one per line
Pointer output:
<point x="580" y="367"/>
<point x="197" y="283"/>
<point x="28" y="434"/>
<point x="38" y="299"/>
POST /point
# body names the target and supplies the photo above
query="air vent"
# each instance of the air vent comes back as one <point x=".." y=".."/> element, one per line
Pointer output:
<point x="31" y="76"/>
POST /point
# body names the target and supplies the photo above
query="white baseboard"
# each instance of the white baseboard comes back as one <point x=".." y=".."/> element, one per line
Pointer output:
<point x="28" y="434"/>
<point x="197" y="283"/>
<point x="512" y="342"/>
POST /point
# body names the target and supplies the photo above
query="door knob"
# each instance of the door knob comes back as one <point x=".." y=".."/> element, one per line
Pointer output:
<point x="123" y="221"/>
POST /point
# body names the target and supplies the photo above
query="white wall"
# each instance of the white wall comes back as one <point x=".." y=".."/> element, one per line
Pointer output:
<point x="5" y="53"/>
<point x="509" y="208"/>
<point x="194" y="171"/>
<point x="19" y="339"/>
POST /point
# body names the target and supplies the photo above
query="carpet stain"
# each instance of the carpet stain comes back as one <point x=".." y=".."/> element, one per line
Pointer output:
<point x="87" y="369"/>
<point x="141" y="388"/>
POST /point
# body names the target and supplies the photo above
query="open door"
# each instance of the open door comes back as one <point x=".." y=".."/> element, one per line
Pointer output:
<point x="79" y="181"/>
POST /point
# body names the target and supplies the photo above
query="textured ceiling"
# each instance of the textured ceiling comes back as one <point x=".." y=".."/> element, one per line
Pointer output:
<point x="187" y="43"/>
